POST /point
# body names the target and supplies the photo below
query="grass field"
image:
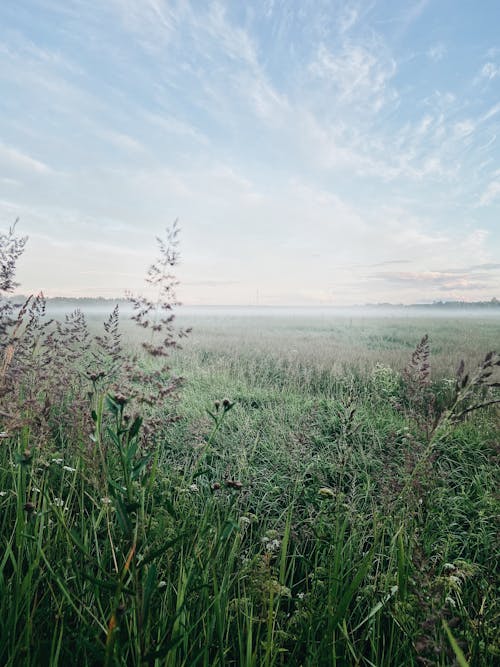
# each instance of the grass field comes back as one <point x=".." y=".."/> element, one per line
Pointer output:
<point x="317" y="490"/>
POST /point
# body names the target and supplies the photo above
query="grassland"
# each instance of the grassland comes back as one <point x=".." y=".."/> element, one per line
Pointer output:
<point x="316" y="490"/>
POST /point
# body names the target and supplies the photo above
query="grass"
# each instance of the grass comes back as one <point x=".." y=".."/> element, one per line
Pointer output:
<point x="330" y="511"/>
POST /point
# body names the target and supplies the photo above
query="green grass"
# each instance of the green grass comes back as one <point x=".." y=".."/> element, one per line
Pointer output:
<point x="351" y="541"/>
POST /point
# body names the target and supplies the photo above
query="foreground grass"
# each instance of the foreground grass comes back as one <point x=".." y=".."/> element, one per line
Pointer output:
<point x="308" y="523"/>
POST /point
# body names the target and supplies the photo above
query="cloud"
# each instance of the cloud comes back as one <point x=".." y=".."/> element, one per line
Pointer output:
<point x="281" y="134"/>
<point x="175" y="126"/>
<point x="440" y="280"/>
<point x="415" y="11"/>
<point x="437" y="52"/>
<point x="491" y="194"/>
<point x="490" y="71"/>
<point x="152" y="22"/>
<point x="16" y="159"/>
<point x="485" y="267"/>
<point x="348" y="18"/>
<point x="9" y="181"/>
<point x="389" y="262"/>
<point x="356" y="73"/>
<point x="122" y="141"/>
<point x="210" y="283"/>
<point x="477" y="267"/>
<point x="493" y="111"/>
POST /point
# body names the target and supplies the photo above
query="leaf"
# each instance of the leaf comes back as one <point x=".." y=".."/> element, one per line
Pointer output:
<point x="161" y="550"/>
<point x="135" y="428"/>
<point x="122" y="515"/>
<point x="349" y="594"/>
<point x="207" y="471"/>
<point x="461" y="659"/>
<point x="229" y="527"/>
<point x="140" y="466"/>
<point x="377" y="607"/>
<point x="111" y="405"/>
<point x="169" y="506"/>
<point x="148" y="591"/>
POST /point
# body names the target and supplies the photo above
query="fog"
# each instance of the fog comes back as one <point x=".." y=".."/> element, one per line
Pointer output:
<point x="103" y="309"/>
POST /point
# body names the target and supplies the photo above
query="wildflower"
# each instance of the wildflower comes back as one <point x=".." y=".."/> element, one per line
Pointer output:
<point x="194" y="488"/>
<point x="3" y="493"/>
<point x="120" y="399"/>
<point x="58" y="502"/>
<point x="326" y="492"/>
<point x="162" y="584"/>
<point x="270" y="545"/>
<point x="285" y="592"/>
<point x="69" y="468"/>
<point x="106" y="500"/>
<point x="273" y="545"/>
<point x="227" y="404"/>
<point x="57" y="461"/>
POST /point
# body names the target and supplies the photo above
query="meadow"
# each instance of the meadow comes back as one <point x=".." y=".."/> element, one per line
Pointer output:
<point x="273" y="488"/>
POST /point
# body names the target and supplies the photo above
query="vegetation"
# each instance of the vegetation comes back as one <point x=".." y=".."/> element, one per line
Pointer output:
<point x="323" y="514"/>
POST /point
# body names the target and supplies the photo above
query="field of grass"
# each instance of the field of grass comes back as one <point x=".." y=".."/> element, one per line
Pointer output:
<point x="298" y="499"/>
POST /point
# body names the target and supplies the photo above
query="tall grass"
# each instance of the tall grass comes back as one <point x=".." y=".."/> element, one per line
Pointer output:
<point x="311" y="518"/>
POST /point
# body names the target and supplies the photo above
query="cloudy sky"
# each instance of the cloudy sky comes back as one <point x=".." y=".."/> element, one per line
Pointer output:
<point x="315" y="152"/>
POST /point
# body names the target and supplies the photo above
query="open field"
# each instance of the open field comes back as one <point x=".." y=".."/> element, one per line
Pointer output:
<point x="329" y="513"/>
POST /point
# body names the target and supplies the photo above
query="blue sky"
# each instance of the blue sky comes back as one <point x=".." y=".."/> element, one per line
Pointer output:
<point x="314" y="152"/>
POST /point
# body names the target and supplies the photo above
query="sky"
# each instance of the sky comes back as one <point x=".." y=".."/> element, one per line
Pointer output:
<point x="314" y="152"/>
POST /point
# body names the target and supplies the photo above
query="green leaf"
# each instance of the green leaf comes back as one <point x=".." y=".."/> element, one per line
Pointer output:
<point x="140" y="466"/>
<point x="135" y="428"/>
<point x="349" y="594"/>
<point x="148" y="591"/>
<point x="461" y="659"/>
<point x="152" y="555"/>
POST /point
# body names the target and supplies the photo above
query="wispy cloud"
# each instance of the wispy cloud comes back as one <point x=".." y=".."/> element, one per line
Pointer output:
<point x="356" y="74"/>
<point x="437" y="52"/>
<point x="490" y="71"/>
<point x="440" y="280"/>
<point x="492" y="191"/>
<point x="15" y="159"/>
<point x="283" y="135"/>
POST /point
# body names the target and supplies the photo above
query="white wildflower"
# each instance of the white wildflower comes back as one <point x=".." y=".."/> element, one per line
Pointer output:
<point x="69" y="468"/>
<point x="57" y="461"/>
<point x="273" y="545"/>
